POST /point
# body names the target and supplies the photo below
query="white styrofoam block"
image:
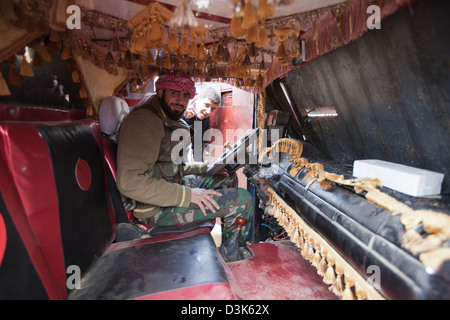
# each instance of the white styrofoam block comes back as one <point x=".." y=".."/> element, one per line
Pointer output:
<point x="409" y="180"/>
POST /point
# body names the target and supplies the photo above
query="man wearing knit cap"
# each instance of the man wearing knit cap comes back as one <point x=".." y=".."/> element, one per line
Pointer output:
<point x="152" y="182"/>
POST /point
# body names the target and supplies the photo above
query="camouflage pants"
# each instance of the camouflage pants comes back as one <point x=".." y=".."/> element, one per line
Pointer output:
<point x="234" y="203"/>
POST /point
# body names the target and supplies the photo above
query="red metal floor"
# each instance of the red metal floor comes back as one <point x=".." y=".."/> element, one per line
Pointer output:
<point x="278" y="272"/>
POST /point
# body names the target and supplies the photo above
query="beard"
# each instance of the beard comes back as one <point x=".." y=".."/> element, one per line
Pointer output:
<point x="172" y="114"/>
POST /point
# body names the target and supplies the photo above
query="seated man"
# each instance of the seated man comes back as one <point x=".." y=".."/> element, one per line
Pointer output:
<point x="147" y="174"/>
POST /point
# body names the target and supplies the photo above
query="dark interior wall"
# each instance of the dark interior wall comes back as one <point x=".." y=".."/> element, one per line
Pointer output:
<point x="391" y="90"/>
<point x="47" y="88"/>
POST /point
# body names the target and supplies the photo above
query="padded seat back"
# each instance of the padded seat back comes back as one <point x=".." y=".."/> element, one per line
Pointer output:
<point x="58" y="172"/>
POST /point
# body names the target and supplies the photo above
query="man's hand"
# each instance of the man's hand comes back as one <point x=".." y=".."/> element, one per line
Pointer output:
<point x="204" y="197"/>
<point x="189" y="112"/>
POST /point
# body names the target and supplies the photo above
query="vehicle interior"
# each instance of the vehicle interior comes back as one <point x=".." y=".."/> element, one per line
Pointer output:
<point x="334" y="115"/>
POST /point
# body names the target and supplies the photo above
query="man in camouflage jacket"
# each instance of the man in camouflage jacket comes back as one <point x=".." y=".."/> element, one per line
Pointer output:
<point x="148" y="174"/>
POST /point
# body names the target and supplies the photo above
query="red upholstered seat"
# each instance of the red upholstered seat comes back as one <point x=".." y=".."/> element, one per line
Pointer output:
<point x="56" y="205"/>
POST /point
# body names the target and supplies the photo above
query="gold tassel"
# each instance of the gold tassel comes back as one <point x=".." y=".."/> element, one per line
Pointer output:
<point x="338" y="288"/>
<point x="265" y="9"/>
<point x="173" y="42"/>
<point x="137" y="44"/>
<point x="263" y="38"/>
<point x="316" y="257"/>
<point x="83" y="93"/>
<point x="45" y="56"/>
<point x="361" y="294"/>
<point x="348" y="292"/>
<point x="281" y="52"/>
<point x="4" y="89"/>
<point x="330" y="276"/>
<point x="252" y="34"/>
<point x="156" y="35"/>
<point x="65" y="53"/>
<point x="183" y="64"/>
<point x="235" y="27"/>
<point x="75" y="76"/>
<point x="25" y="68"/>
<point x="184" y="47"/>
<point x="202" y="55"/>
<point x="13" y="76"/>
<point x="322" y="267"/>
<point x="250" y="18"/>
<point x="193" y="52"/>
<point x="191" y="64"/>
<point x="305" y="248"/>
<point x="37" y="61"/>
<point x="168" y="63"/>
<point x="200" y="65"/>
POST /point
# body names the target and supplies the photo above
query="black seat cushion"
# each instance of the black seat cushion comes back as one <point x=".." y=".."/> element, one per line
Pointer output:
<point x="147" y="268"/>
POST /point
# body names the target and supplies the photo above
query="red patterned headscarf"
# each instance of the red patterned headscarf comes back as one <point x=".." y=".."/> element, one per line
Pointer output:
<point x="179" y="83"/>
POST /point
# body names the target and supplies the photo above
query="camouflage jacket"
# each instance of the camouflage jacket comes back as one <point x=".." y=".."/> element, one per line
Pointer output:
<point x="145" y="169"/>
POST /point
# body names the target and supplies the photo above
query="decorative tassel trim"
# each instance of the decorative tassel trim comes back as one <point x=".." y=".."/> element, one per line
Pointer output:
<point x="343" y="279"/>
<point x="436" y="224"/>
<point x="4" y="89"/>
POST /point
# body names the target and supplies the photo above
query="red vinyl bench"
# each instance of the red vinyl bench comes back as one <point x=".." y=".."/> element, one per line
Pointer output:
<point x="57" y="213"/>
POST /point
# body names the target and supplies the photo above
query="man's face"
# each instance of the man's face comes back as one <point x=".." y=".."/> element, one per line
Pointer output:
<point x="174" y="102"/>
<point x="204" y="108"/>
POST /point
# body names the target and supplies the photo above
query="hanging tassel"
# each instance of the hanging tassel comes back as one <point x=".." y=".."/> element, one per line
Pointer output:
<point x="316" y="257"/>
<point x="4" y="89"/>
<point x="184" y="47"/>
<point x="109" y="58"/>
<point x="250" y="18"/>
<point x="263" y="39"/>
<point x="330" y="276"/>
<point x="305" y="248"/>
<point x="168" y="63"/>
<point x="193" y="52"/>
<point x="13" y="76"/>
<point x="200" y="65"/>
<point x="361" y="294"/>
<point x="190" y="64"/>
<point x="115" y="45"/>
<point x="45" y="56"/>
<point x="65" y="53"/>
<point x="310" y="253"/>
<point x="183" y="64"/>
<point x="83" y="93"/>
<point x="138" y="43"/>
<point x="281" y="52"/>
<point x="348" y="292"/>
<point x="265" y="9"/>
<point x="202" y="55"/>
<point x="183" y="17"/>
<point x="149" y="59"/>
<point x="25" y="68"/>
<point x="158" y="60"/>
<point x="54" y="47"/>
<point x="75" y="76"/>
<point x="154" y="34"/>
<point x="235" y="27"/>
<point x="173" y="41"/>
<point x="338" y="287"/>
<point x="322" y="267"/>
<point x="128" y="59"/>
<point x="252" y="34"/>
